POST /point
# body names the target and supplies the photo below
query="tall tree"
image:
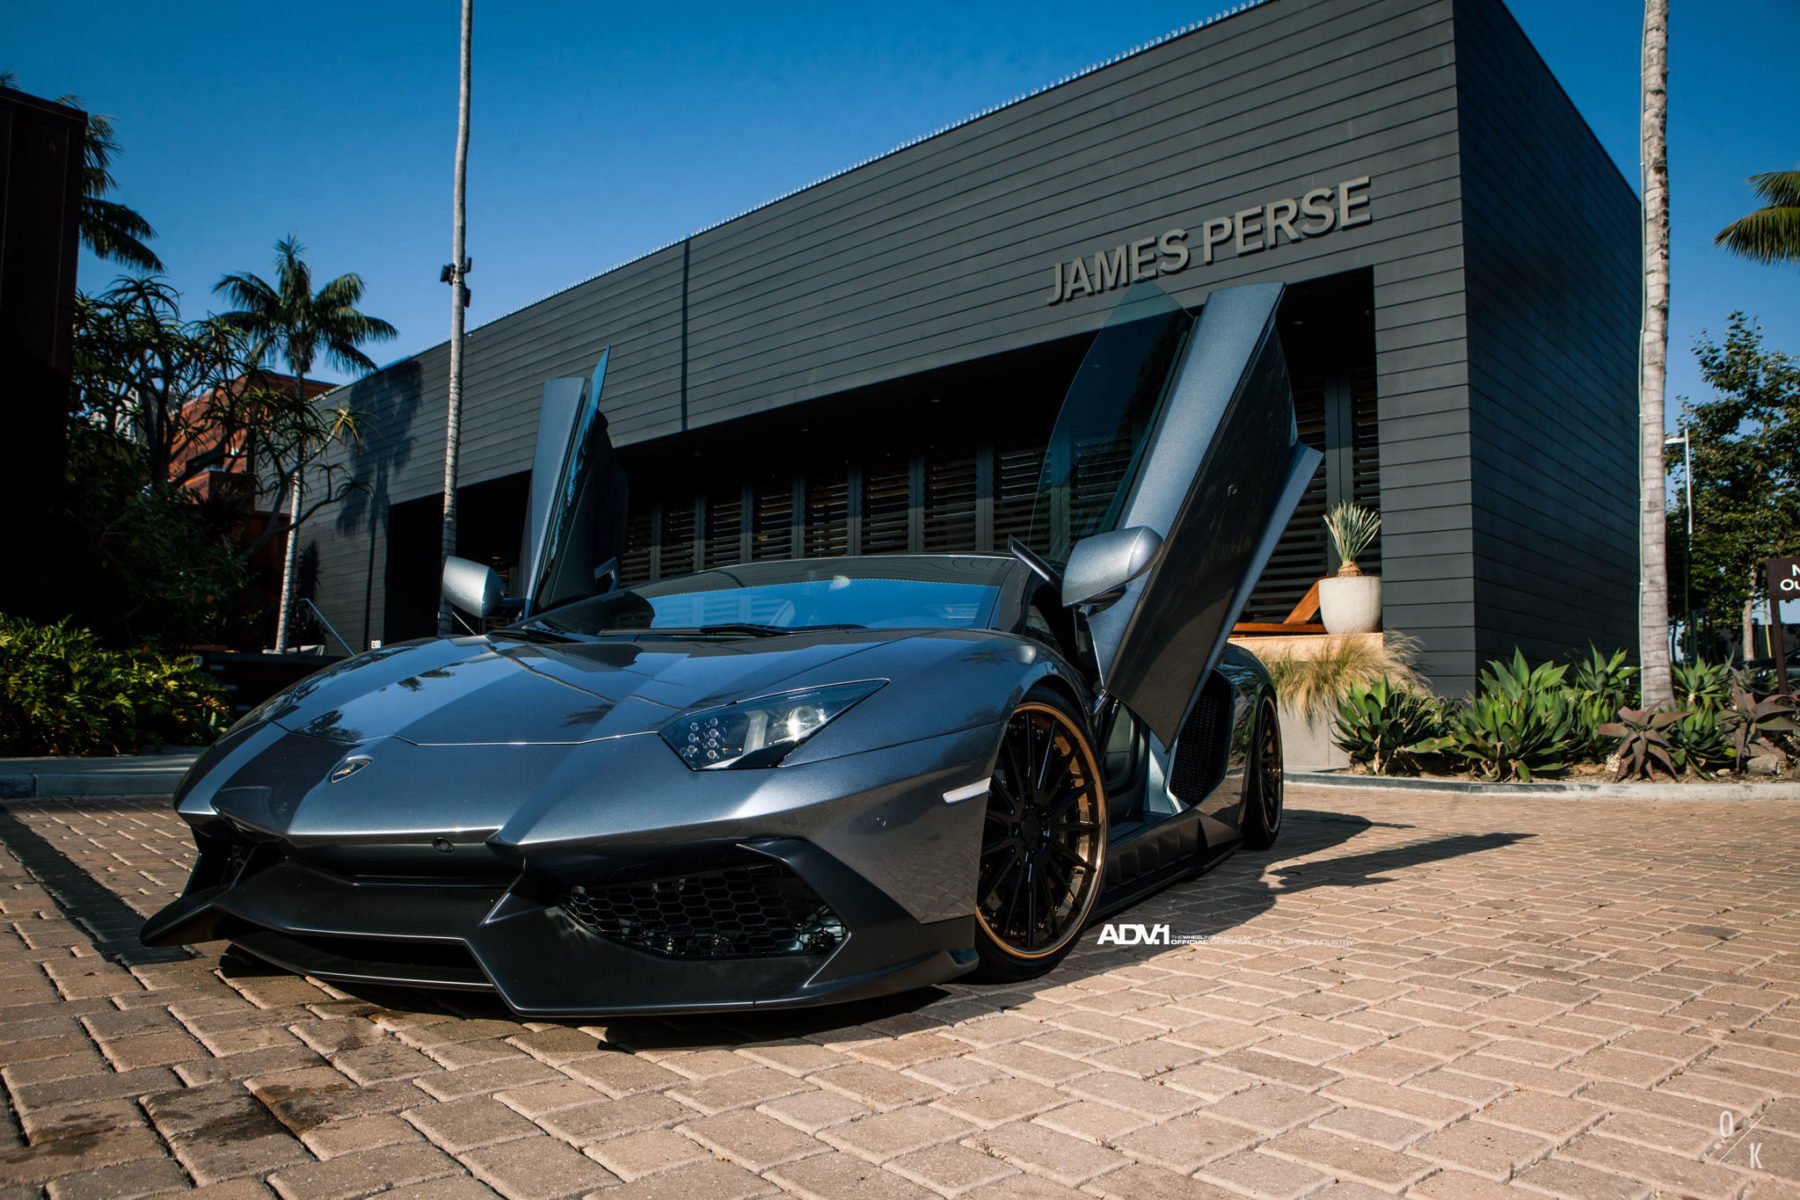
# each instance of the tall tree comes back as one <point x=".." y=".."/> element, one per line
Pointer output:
<point x="290" y="319"/>
<point x="1653" y="355"/>
<point x="1746" y="483"/>
<point x="1771" y="234"/>
<point x="108" y="228"/>
<point x="459" y="299"/>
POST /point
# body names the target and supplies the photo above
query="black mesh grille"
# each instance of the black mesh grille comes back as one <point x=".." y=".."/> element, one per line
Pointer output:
<point x="749" y="911"/>
<point x="1200" y="746"/>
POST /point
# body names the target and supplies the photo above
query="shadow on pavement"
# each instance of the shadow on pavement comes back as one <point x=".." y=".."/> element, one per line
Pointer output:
<point x="1210" y="904"/>
<point x="90" y="905"/>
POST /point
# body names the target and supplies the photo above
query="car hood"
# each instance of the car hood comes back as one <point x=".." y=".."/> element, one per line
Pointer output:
<point x="503" y="691"/>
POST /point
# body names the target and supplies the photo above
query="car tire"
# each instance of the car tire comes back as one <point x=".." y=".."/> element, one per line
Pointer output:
<point x="1264" y="783"/>
<point x="1043" y="849"/>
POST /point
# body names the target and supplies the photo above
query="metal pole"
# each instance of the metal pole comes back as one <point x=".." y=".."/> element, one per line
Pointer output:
<point x="459" y="298"/>
<point x="1687" y="571"/>
<point x="1687" y="568"/>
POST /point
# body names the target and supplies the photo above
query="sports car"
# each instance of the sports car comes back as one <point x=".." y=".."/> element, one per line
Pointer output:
<point x="789" y="783"/>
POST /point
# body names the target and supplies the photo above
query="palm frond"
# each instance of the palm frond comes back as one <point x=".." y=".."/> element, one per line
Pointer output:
<point x="115" y="232"/>
<point x="288" y="316"/>
<point x="1780" y="188"/>
<point x="1770" y="235"/>
<point x="346" y="291"/>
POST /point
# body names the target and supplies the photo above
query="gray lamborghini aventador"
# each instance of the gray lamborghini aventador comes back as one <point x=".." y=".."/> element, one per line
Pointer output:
<point x="786" y="783"/>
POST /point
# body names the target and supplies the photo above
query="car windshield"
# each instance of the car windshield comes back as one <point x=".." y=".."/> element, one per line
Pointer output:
<point x="898" y="592"/>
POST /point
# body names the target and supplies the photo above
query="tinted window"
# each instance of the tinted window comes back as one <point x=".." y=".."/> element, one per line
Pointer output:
<point x="876" y="593"/>
<point x="1105" y="421"/>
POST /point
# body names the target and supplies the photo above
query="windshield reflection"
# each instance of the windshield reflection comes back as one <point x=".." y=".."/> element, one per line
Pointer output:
<point x="897" y="592"/>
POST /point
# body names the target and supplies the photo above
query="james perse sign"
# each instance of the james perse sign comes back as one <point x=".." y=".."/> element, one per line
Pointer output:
<point x="1315" y="213"/>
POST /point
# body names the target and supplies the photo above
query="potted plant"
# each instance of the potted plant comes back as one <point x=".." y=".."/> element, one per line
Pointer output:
<point x="1350" y="602"/>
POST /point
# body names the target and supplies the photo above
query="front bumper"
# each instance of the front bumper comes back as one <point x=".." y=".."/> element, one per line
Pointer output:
<point x="870" y="836"/>
<point x="521" y="942"/>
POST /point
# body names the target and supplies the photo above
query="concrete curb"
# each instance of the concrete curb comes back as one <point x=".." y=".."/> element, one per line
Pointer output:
<point x="128" y="775"/>
<point x="1584" y="791"/>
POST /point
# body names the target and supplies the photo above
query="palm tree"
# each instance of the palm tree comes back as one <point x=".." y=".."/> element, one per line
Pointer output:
<point x="108" y="228"/>
<point x="1771" y="234"/>
<point x="290" y="319"/>
<point x="1653" y="550"/>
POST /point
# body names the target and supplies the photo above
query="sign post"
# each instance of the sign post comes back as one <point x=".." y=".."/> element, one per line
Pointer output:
<point x="1784" y="584"/>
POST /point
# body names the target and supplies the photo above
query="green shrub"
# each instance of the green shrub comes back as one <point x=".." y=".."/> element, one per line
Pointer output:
<point x="1601" y="687"/>
<point x="61" y="692"/>
<point x="1701" y="686"/>
<point x="1521" y="722"/>
<point x="1606" y="676"/>
<point x="1388" y="726"/>
<point x="1700" y="742"/>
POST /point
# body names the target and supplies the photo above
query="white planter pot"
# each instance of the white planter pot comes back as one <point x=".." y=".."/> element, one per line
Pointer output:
<point x="1350" y="603"/>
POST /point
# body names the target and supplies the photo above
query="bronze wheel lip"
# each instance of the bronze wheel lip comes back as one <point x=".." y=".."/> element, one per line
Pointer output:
<point x="1098" y="872"/>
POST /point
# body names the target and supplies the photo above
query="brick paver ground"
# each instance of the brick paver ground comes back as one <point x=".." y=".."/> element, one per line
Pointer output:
<point x="1416" y="994"/>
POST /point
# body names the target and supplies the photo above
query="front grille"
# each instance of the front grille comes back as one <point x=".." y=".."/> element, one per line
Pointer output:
<point x="748" y="911"/>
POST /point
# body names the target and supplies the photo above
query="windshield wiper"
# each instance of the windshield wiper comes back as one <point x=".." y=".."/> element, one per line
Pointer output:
<point x="534" y="633"/>
<point x="742" y="629"/>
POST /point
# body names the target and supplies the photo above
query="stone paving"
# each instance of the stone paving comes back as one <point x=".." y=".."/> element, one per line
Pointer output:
<point x="1414" y="995"/>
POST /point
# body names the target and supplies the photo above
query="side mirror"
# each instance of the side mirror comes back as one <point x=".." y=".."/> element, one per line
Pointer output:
<point x="1102" y="565"/>
<point x="473" y="587"/>
<point x="606" y="576"/>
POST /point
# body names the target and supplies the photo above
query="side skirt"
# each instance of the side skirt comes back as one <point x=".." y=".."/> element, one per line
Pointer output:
<point x="1154" y="857"/>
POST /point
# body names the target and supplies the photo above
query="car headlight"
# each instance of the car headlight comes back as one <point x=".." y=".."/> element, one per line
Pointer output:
<point x="760" y="732"/>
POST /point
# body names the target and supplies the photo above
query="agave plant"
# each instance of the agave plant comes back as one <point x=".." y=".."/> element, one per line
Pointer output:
<point x="1520" y="679"/>
<point x="1388" y="726"/>
<point x="1750" y="720"/>
<point x="1352" y="529"/>
<point x="1702" y="685"/>
<point x="1644" y="743"/>
<point x="1699" y="742"/>
<point x="1600" y="687"/>
<point x="1521" y="722"/>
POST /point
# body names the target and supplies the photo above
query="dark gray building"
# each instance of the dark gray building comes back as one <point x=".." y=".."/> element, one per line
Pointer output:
<point x="873" y="362"/>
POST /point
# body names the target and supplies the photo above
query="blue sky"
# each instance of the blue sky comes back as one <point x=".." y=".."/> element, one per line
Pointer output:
<point x="602" y="130"/>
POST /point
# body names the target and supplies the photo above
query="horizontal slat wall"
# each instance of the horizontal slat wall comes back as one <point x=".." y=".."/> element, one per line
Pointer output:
<point x="1553" y="301"/>
<point x="942" y="252"/>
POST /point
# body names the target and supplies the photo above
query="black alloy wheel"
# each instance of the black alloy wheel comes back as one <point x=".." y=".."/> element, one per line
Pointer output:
<point x="1043" y="846"/>
<point x="1264" y="780"/>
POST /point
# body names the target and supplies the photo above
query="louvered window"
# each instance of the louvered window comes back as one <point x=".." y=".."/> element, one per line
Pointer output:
<point x="828" y="512"/>
<point x="950" y="487"/>
<point x="634" y="564"/>
<point x="772" y="519"/>
<point x="1016" y="470"/>
<point x="886" y="496"/>
<point x="1303" y="555"/>
<point x="1365" y="453"/>
<point x="677" y="537"/>
<point x="724" y="528"/>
